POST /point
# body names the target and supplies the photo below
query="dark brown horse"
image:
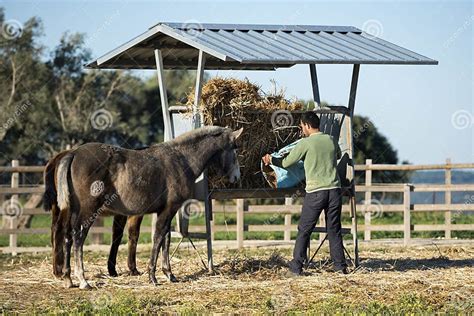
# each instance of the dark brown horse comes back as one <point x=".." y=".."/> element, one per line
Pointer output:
<point x="97" y="178"/>
<point x="59" y="227"/>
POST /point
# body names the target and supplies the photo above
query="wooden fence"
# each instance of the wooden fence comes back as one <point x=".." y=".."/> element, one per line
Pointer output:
<point x="242" y="208"/>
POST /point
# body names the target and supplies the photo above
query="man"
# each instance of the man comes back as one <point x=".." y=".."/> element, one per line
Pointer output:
<point x="323" y="191"/>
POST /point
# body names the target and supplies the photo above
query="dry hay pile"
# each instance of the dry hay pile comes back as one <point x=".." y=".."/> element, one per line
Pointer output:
<point x="390" y="280"/>
<point x="266" y="119"/>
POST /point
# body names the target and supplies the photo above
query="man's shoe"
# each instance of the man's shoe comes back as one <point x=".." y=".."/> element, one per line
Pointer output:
<point x="293" y="274"/>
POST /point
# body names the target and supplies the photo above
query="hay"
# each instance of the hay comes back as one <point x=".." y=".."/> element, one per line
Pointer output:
<point x="442" y="277"/>
<point x="270" y="121"/>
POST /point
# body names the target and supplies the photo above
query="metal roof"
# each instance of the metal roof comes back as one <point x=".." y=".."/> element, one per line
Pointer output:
<point x="245" y="46"/>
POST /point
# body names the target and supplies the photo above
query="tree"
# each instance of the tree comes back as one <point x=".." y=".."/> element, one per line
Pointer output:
<point x="22" y="74"/>
<point x="369" y="143"/>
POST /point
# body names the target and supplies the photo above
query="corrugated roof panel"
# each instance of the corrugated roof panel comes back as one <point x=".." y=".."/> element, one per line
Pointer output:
<point x="364" y="47"/>
<point x="272" y="52"/>
<point x="249" y="46"/>
<point x="343" y="45"/>
<point x="311" y="48"/>
<point x="230" y="49"/>
<point x="299" y="51"/>
<point x="261" y="52"/>
<point x="291" y="54"/>
<point x="359" y="40"/>
<point x="380" y="43"/>
<point x="347" y="53"/>
<point x="333" y="53"/>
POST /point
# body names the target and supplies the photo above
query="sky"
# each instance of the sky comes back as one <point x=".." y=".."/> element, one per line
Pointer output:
<point x="426" y="111"/>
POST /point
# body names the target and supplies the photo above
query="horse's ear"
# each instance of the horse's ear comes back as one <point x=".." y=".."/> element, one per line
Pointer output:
<point x="236" y="134"/>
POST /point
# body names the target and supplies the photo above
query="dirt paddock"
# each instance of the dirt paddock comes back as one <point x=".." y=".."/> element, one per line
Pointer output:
<point x="390" y="279"/>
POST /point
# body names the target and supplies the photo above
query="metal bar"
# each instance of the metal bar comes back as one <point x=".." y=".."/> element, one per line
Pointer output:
<point x="315" y="85"/>
<point x="197" y="119"/>
<point x="353" y="92"/>
<point x="354" y="231"/>
<point x="316" y="252"/>
<point x="166" y="118"/>
<point x="351" y="171"/>
<point x="262" y="27"/>
<point x="199" y="255"/>
<point x="208" y="217"/>
<point x="176" y="249"/>
<point x="163" y="95"/>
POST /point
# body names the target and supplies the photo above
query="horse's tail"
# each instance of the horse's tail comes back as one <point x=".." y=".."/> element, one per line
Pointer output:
<point x="62" y="177"/>
<point x="57" y="165"/>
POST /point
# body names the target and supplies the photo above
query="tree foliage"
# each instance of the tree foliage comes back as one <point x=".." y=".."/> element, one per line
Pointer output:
<point x="49" y="102"/>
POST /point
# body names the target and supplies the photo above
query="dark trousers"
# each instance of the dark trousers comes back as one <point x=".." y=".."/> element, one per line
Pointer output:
<point x="331" y="201"/>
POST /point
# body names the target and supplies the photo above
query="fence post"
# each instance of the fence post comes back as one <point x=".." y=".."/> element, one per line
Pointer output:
<point x="368" y="200"/>
<point x="287" y="233"/>
<point x="406" y="213"/>
<point x="15" y="183"/>
<point x="239" y="207"/>
<point x="447" y="199"/>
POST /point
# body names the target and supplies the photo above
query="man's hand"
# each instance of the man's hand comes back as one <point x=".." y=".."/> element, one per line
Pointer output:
<point x="267" y="159"/>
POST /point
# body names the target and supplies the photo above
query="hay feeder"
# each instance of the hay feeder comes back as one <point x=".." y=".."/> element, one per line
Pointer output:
<point x="258" y="47"/>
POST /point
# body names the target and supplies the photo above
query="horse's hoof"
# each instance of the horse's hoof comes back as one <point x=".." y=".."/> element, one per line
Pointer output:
<point x="172" y="278"/>
<point x="153" y="281"/>
<point x="113" y="274"/>
<point x="134" y="272"/>
<point x="68" y="284"/>
<point x="85" y="286"/>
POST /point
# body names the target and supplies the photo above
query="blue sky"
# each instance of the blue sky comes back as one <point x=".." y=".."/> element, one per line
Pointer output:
<point x="426" y="112"/>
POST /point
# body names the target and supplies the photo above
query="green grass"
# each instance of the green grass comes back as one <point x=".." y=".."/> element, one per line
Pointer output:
<point x="122" y="302"/>
<point x="248" y="281"/>
<point x="229" y="218"/>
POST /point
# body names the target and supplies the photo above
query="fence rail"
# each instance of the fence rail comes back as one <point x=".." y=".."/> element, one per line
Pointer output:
<point x="243" y="208"/>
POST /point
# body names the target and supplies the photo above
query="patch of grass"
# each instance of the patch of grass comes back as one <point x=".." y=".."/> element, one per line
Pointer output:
<point x="229" y="218"/>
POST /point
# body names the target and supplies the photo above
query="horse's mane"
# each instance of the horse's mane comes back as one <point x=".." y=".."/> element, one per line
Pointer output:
<point x="199" y="133"/>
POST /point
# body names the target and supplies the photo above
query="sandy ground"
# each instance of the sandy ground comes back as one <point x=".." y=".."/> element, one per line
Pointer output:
<point x="390" y="278"/>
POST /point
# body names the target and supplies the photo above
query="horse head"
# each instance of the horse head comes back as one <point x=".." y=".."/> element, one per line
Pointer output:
<point x="225" y="159"/>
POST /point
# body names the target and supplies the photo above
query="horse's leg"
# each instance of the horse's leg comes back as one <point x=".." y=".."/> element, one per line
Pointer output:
<point x="79" y="235"/>
<point x="159" y="235"/>
<point x="67" y="248"/>
<point x="134" y="223"/>
<point x="67" y="260"/>
<point x="165" y="263"/>
<point x="117" y="234"/>
<point x="57" y="241"/>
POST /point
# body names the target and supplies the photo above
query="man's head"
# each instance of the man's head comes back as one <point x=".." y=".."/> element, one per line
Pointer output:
<point x="309" y="123"/>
